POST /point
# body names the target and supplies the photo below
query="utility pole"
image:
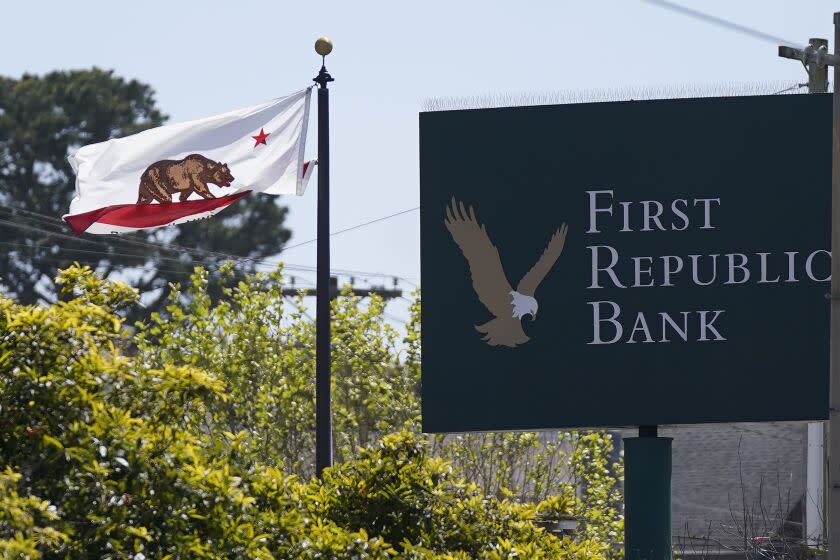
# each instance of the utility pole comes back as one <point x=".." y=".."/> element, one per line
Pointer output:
<point x="818" y="72"/>
<point x="833" y="513"/>
<point x="816" y="59"/>
<point x="816" y="456"/>
<point x="381" y="291"/>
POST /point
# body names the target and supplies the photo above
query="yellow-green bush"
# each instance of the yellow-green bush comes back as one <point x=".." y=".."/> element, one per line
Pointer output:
<point x="111" y="450"/>
<point x="25" y="521"/>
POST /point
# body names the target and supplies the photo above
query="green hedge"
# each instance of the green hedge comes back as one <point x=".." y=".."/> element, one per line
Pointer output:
<point x="106" y="455"/>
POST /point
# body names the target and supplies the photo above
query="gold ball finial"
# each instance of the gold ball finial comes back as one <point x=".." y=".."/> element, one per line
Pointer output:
<point x="323" y="46"/>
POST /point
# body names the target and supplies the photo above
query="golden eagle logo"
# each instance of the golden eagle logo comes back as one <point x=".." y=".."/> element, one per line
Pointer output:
<point x="489" y="280"/>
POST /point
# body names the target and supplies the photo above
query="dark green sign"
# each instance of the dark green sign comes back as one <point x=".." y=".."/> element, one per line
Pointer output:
<point x="634" y="263"/>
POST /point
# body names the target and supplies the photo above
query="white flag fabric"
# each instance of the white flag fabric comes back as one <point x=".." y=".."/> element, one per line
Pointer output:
<point x="191" y="170"/>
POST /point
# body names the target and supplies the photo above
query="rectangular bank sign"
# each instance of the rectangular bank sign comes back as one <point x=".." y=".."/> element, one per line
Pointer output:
<point x="620" y="264"/>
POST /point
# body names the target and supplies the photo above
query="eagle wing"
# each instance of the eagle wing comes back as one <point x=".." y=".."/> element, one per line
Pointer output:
<point x="529" y="283"/>
<point x="488" y="276"/>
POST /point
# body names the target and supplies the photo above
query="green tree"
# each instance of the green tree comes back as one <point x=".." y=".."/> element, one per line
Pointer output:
<point x="22" y="520"/>
<point x="106" y="454"/>
<point x="261" y="344"/>
<point x="42" y="120"/>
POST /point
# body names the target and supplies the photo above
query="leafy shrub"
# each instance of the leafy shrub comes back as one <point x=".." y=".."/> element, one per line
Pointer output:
<point x="397" y="491"/>
<point x="261" y="343"/>
<point x="144" y="454"/>
<point x="24" y="521"/>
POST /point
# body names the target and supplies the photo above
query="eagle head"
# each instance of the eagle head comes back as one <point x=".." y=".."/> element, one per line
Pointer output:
<point x="523" y="305"/>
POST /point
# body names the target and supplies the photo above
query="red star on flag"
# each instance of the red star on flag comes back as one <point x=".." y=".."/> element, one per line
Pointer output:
<point x="260" y="138"/>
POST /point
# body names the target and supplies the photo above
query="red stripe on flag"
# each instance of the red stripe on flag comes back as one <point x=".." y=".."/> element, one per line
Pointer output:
<point x="148" y="215"/>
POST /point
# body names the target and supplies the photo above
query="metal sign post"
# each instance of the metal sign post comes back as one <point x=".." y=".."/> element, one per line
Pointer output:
<point x="647" y="496"/>
<point x="323" y="409"/>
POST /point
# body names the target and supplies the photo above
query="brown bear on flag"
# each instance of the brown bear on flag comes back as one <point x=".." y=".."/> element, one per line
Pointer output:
<point x="185" y="176"/>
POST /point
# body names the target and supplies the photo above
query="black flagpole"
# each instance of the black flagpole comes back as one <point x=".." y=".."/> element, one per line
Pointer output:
<point x="323" y="408"/>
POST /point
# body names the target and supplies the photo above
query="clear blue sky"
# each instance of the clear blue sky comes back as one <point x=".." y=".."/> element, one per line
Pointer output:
<point x="207" y="57"/>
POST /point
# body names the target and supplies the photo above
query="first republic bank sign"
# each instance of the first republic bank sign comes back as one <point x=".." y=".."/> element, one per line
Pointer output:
<point x="631" y="263"/>
<point x="609" y="268"/>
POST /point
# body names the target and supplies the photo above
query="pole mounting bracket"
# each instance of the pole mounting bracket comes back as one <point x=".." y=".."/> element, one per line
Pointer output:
<point x="810" y="55"/>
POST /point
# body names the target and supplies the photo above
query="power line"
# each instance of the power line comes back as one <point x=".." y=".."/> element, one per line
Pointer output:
<point x="102" y="254"/>
<point x="394" y="318"/>
<point x="50" y="221"/>
<point x="172" y="247"/>
<point x="363" y="274"/>
<point x="351" y="228"/>
<point x="21" y="225"/>
<point x="407" y="281"/>
<point x="144" y="266"/>
<point x="335" y="291"/>
<point x="201" y="254"/>
<point x="300" y="308"/>
<point x="793" y="87"/>
<point x="57" y="260"/>
<point x="726" y="24"/>
<point x="265" y="260"/>
<point x="109" y="256"/>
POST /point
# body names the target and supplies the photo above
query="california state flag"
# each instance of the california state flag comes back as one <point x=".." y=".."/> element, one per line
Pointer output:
<point x="191" y="170"/>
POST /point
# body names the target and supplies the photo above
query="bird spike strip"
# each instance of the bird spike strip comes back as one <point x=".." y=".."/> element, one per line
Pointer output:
<point x="627" y="93"/>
